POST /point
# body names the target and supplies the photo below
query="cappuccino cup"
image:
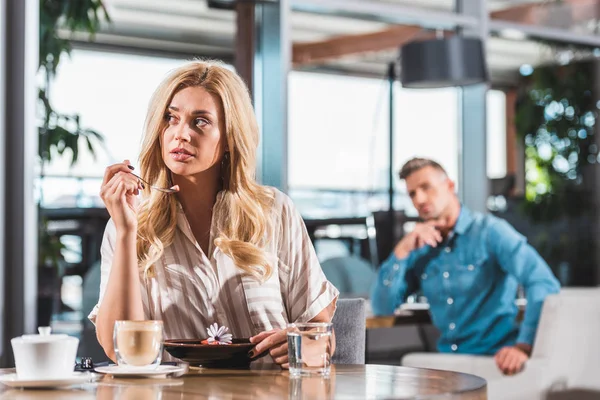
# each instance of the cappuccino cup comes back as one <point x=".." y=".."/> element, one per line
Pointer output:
<point x="44" y="356"/>
<point x="138" y="343"/>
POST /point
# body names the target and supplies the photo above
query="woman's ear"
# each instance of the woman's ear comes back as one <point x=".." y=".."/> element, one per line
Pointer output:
<point x="225" y="143"/>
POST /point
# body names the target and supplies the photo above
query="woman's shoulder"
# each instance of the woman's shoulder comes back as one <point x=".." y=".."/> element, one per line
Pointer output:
<point x="282" y="203"/>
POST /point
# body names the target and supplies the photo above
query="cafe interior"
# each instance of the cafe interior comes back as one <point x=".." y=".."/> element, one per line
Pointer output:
<point x="504" y="94"/>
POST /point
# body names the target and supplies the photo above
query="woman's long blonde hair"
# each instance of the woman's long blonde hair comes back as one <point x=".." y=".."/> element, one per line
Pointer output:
<point x="242" y="212"/>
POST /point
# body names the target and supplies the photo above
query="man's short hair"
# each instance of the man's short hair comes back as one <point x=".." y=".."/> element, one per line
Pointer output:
<point x="417" y="164"/>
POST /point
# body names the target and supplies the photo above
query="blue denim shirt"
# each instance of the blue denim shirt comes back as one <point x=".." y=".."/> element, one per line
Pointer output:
<point x="471" y="282"/>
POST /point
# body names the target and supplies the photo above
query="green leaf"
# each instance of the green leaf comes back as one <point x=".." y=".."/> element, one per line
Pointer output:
<point x="90" y="147"/>
<point x="74" y="146"/>
<point x="60" y="131"/>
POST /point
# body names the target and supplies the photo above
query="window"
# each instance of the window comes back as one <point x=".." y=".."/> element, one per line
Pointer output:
<point x="496" y="134"/>
<point x="339" y="135"/>
<point x="111" y="93"/>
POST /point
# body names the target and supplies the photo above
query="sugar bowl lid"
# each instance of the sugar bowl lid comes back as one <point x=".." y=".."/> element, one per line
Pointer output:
<point x="45" y="336"/>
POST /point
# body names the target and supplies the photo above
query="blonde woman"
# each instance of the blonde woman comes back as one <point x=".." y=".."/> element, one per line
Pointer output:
<point x="223" y="248"/>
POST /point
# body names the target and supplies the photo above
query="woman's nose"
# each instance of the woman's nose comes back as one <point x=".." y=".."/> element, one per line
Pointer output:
<point x="182" y="133"/>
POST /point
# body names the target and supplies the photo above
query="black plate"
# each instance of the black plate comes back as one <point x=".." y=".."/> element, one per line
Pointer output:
<point x="234" y="355"/>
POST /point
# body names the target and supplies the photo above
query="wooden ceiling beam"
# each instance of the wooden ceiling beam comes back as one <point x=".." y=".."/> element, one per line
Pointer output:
<point x="568" y="11"/>
<point x="322" y="51"/>
<point x="522" y="14"/>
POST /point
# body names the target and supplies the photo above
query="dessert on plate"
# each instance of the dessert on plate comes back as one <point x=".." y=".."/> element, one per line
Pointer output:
<point x="218" y="335"/>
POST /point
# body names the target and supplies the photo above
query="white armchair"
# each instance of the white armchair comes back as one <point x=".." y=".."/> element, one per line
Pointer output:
<point x="566" y="352"/>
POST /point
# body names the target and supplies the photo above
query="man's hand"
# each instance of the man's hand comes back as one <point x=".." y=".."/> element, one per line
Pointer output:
<point x="424" y="233"/>
<point x="511" y="359"/>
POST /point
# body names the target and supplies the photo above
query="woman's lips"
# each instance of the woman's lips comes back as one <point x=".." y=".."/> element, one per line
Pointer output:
<point x="180" y="155"/>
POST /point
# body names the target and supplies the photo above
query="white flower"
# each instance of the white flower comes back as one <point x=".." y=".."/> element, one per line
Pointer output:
<point x="218" y="334"/>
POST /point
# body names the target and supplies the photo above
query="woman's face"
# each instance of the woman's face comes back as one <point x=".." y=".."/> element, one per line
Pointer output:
<point x="194" y="140"/>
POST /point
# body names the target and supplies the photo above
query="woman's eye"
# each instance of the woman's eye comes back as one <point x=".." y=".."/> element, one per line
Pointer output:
<point x="170" y="118"/>
<point x="201" y="122"/>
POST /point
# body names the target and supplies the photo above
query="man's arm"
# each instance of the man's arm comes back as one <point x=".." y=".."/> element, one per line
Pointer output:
<point x="395" y="279"/>
<point x="394" y="282"/>
<point x="520" y="260"/>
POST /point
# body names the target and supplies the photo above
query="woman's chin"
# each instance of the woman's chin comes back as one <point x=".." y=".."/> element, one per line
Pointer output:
<point x="183" y="169"/>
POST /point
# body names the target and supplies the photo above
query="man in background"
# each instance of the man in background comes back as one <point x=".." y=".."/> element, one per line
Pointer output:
<point x="469" y="266"/>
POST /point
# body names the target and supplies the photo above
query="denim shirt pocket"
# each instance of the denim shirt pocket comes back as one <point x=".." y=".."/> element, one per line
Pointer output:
<point x="430" y="278"/>
<point x="471" y="272"/>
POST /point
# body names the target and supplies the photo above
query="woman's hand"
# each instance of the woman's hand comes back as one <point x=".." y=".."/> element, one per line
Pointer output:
<point x="118" y="192"/>
<point x="275" y="342"/>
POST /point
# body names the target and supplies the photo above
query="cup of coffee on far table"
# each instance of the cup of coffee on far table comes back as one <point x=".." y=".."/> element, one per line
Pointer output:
<point x="138" y="343"/>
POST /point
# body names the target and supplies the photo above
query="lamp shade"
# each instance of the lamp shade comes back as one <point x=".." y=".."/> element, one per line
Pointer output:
<point x="437" y="63"/>
<point x="230" y="4"/>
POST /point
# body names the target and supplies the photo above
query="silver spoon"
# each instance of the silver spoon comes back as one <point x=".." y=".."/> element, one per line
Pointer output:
<point x="185" y="369"/>
<point x="172" y="189"/>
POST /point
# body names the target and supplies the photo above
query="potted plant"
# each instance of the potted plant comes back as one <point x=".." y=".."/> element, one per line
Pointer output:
<point x="556" y="115"/>
<point x="59" y="133"/>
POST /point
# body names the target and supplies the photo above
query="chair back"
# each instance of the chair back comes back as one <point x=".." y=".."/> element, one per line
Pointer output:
<point x="349" y="325"/>
<point x="90" y="291"/>
<point x="568" y="337"/>
<point x="88" y="342"/>
<point x="351" y="275"/>
<point x="386" y="235"/>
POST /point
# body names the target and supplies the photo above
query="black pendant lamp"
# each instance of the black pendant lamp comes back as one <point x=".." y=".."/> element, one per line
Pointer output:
<point x="443" y="62"/>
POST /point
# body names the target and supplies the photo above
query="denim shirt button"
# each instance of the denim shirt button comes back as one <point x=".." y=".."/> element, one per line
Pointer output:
<point x="447" y="249"/>
<point x="450" y="300"/>
<point x="446" y="275"/>
<point x="471" y="267"/>
<point x="452" y="326"/>
<point x="454" y="347"/>
<point x="424" y="276"/>
<point x="396" y="267"/>
<point x="386" y="282"/>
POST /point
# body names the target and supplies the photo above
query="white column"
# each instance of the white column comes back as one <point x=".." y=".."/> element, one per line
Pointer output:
<point x="3" y="37"/>
<point x="473" y="182"/>
<point x="19" y="30"/>
<point x="265" y="30"/>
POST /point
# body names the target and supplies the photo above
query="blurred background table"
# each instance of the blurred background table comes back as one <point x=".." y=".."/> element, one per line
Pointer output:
<point x="401" y="317"/>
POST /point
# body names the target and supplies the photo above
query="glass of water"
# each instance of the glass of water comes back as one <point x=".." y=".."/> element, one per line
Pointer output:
<point x="309" y="348"/>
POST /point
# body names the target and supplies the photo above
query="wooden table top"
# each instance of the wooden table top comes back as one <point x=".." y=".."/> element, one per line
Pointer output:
<point x="419" y="317"/>
<point x="403" y="317"/>
<point x="269" y="382"/>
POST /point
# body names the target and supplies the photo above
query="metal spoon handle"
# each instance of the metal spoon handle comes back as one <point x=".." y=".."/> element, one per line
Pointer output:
<point x="165" y="190"/>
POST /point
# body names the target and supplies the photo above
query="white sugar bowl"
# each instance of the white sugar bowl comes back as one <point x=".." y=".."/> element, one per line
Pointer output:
<point x="44" y="356"/>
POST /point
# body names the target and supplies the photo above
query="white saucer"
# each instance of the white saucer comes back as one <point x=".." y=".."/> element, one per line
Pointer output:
<point x="77" y="378"/>
<point x="414" y="306"/>
<point x="116" y="370"/>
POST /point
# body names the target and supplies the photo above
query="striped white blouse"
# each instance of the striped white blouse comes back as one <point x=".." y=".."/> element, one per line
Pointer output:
<point x="189" y="291"/>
